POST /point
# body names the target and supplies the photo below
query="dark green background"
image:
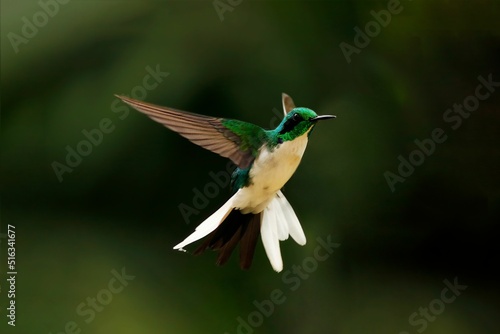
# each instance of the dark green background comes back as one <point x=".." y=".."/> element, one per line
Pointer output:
<point x="119" y="207"/>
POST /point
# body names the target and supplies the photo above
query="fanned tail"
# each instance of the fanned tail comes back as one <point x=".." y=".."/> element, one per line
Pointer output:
<point x="278" y="222"/>
<point x="228" y="226"/>
<point x="225" y="229"/>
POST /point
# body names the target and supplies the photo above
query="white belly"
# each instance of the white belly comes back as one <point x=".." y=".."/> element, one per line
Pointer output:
<point x="269" y="173"/>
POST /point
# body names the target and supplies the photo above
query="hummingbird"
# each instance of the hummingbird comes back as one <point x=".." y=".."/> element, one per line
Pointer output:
<point x="265" y="160"/>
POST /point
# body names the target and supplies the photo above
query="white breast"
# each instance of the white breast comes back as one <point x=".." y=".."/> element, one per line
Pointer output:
<point x="269" y="173"/>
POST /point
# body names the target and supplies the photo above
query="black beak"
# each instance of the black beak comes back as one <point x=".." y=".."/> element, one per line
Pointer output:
<point x="323" y="117"/>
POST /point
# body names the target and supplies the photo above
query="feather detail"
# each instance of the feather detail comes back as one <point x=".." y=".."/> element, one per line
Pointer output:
<point x="209" y="225"/>
<point x="278" y="222"/>
<point x="237" y="227"/>
<point x="211" y="133"/>
<point x="249" y="241"/>
<point x="287" y="102"/>
<point x="269" y="235"/>
<point x="294" y="227"/>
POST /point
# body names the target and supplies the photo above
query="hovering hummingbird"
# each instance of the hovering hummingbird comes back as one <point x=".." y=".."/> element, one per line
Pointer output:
<point x="265" y="160"/>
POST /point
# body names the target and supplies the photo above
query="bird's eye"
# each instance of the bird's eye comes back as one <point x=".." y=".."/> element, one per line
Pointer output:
<point x="296" y="117"/>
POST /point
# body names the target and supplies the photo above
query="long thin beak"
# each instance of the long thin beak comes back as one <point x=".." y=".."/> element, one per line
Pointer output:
<point x="322" y="117"/>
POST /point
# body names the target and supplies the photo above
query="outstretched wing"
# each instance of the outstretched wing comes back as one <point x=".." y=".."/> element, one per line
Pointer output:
<point x="236" y="140"/>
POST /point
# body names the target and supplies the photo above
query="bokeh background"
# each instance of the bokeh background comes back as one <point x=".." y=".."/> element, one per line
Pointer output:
<point x="119" y="207"/>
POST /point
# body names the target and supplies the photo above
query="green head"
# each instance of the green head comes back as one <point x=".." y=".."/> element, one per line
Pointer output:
<point x="298" y="122"/>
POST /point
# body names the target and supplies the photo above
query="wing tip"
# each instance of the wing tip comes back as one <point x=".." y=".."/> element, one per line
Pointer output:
<point x="287" y="102"/>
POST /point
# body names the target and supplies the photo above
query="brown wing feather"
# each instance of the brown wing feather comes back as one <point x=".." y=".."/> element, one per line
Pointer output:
<point x="205" y="131"/>
<point x="287" y="102"/>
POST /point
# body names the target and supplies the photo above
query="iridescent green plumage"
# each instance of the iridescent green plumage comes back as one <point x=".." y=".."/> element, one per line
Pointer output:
<point x="251" y="136"/>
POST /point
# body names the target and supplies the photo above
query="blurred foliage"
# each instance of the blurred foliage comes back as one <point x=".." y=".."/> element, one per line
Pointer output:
<point x="119" y="207"/>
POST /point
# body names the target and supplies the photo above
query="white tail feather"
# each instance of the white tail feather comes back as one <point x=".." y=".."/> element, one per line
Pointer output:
<point x="209" y="225"/>
<point x="269" y="235"/>
<point x="293" y="223"/>
<point x="278" y="222"/>
<point x="281" y="224"/>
